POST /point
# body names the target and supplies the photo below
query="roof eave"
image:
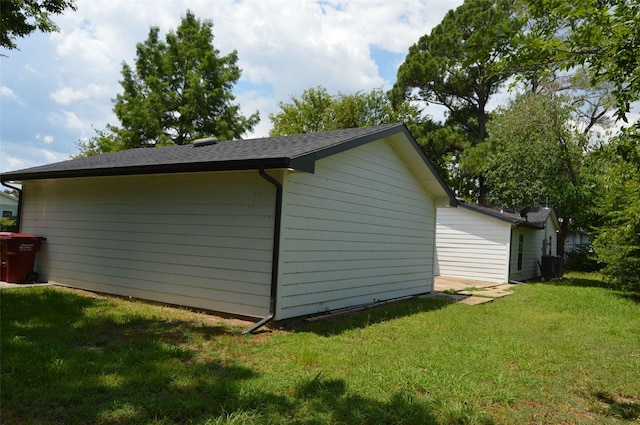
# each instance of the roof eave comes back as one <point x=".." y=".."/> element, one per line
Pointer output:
<point x="192" y="167"/>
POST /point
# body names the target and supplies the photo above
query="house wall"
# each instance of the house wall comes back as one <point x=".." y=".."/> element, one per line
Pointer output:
<point x="8" y="206"/>
<point x="534" y="243"/>
<point x="360" y="229"/>
<point x="202" y="240"/>
<point x="472" y="246"/>
<point x="575" y="240"/>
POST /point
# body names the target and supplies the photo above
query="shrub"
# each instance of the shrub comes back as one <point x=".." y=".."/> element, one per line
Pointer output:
<point x="8" y="224"/>
<point x="582" y="259"/>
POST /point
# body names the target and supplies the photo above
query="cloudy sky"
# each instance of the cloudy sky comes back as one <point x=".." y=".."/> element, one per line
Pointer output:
<point x="58" y="88"/>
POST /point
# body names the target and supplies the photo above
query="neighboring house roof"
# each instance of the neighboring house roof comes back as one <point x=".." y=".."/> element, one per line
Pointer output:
<point x="7" y="197"/>
<point x="533" y="217"/>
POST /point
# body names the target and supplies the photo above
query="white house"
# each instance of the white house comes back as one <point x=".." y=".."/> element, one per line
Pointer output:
<point x="8" y="205"/>
<point x="576" y="239"/>
<point x="492" y="244"/>
<point x="270" y="228"/>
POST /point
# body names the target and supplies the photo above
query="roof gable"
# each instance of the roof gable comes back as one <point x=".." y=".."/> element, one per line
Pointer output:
<point x="297" y="152"/>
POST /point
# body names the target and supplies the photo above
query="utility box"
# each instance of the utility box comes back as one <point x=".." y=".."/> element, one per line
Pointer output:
<point x="551" y="267"/>
<point x="18" y="254"/>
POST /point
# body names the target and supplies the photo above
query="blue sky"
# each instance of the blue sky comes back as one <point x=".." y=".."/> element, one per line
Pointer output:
<point x="58" y="88"/>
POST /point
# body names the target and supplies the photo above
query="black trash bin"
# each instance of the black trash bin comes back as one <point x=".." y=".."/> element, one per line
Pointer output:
<point x="18" y="254"/>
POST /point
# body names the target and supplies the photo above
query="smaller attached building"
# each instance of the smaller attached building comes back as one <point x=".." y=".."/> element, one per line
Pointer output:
<point x="492" y="244"/>
<point x="273" y="227"/>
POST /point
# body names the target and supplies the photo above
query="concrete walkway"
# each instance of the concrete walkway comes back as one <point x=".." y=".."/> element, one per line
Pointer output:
<point x="469" y="291"/>
<point x="5" y="285"/>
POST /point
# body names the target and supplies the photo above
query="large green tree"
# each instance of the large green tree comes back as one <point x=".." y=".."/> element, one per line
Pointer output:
<point x="19" y="18"/>
<point x="179" y="90"/>
<point x="459" y="65"/>
<point x="616" y="169"/>
<point x="535" y="156"/>
<point x="317" y="110"/>
<point x="602" y="35"/>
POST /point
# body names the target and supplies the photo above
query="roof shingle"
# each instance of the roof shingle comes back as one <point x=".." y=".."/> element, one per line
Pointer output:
<point x="295" y="151"/>
<point x="535" y="217"/>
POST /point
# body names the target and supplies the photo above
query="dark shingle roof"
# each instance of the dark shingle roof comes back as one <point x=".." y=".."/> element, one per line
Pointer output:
<point x="534" y="217"/>
<point x="297" y="151"/>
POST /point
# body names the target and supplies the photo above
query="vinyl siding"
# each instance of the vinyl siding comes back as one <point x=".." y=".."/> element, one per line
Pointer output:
<point x="533" y="250"/>
<point x="472" y="246"/>
<point x="359" y="230"/>
<point x="202" y="240"/>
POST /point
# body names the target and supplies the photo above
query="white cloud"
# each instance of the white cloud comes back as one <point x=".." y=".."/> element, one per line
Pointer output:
<point x="68" y="119"/>
<point x="69" y="95"/>
<point x="16" y="156"/>
<point x="48" y="139"/>
<point x="7" y="92"/>
<point x="68" y="79"/>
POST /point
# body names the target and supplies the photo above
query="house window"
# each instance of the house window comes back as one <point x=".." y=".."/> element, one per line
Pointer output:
<point x="520" y="251"/>
<point x="7" y="214"/>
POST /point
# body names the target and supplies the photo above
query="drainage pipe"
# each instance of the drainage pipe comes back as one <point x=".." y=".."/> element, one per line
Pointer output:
<point x="275" y="258"/>
<point x="19" y="213"/>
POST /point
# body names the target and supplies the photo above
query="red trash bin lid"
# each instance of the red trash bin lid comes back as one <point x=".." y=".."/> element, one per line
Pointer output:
<point x="9" y="235"/>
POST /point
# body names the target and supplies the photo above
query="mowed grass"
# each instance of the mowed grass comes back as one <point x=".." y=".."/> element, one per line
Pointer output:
<point x="548" y="354"/>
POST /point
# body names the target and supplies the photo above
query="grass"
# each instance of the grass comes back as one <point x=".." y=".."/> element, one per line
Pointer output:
<point x="552" y="353"/>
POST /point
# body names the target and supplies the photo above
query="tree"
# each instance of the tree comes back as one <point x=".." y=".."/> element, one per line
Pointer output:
<point x="458" y="65"/>
<point x="180" y="90"/>
<point x="20" y="18"/>
<point x="603" y="35"/>
<point x="617" y="242"/>
<point x="316" y="110"/>
<point x="104" y="141"/>
<point x="535" y="156"/>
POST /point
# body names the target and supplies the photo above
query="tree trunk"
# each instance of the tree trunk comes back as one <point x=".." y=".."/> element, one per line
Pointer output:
<point x="482" y="191"/>
<point x="564" y="229"/>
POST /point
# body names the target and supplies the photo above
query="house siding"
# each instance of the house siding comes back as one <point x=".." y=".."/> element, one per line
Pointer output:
<point x="471" y="246"/>
<point x="8" y="206"/>
<point x="360" y="229"/>
<point x="202" y="240"/>
<point x="534" y="242"/>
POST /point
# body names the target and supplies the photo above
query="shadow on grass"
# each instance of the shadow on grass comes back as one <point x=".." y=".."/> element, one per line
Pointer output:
<point x="589" y="282"/>
<point x="330" y="399"/>
<point x="71" y="359"/>
<point x="337" y="324"/>
<point x="627" y="409"/>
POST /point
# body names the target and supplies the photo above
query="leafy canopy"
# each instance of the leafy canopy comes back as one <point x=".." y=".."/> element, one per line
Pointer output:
<point x="316" y="110"/>
<point x="603" y="35"/>
<point x="534" y="154"/>
<point x="617" y="242"/>
<point x="179" y="90"/>
<point x="20" y="18"/>
<point x="459" y="66"/>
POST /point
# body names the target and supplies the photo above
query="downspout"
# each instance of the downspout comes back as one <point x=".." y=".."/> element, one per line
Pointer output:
<point x="19" y="214"/>
<point x="275" y="258"/>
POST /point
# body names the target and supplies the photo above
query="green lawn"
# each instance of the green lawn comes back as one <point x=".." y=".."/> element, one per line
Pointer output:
<point x="548" y="354"/>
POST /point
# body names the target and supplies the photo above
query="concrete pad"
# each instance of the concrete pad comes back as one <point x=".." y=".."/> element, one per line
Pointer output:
<point x="488" y="292"/>
<point x="448" y="283"/>
<point x="475" y="300"/>
<point x="5" y="285"/>
<point x="445" y="296"/>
